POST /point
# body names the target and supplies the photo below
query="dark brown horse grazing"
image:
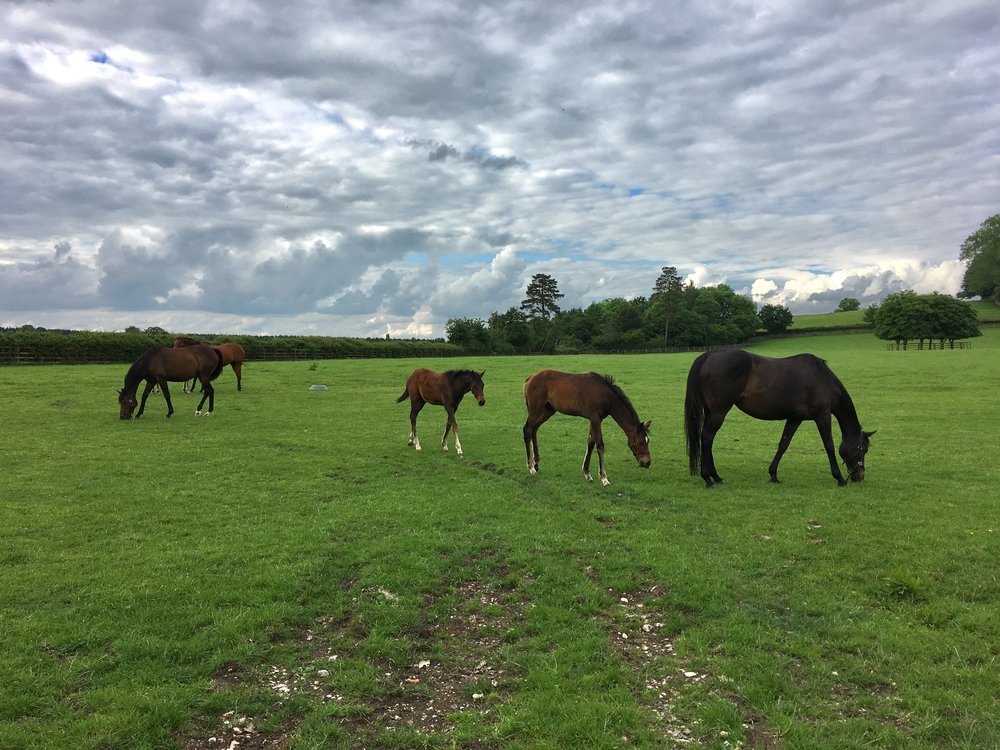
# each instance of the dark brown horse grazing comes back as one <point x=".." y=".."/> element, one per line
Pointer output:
<point x="586" y="395"/>
<point x="232" y="354"/>
<point x="161" y="364"/>
<point x="794" y="389"/>
<point x="441" y="389"/>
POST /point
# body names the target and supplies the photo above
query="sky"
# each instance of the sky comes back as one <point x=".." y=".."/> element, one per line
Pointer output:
<point x="378" y="167"/>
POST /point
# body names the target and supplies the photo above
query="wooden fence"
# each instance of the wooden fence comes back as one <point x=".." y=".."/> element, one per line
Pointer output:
<point x="928" y="345"/>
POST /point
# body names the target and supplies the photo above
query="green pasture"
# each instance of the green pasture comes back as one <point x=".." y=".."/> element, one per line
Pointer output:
<point x="987" y="311"/>
<point x="288" y="573"/>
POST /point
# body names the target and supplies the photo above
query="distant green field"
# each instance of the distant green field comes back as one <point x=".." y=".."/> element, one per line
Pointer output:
<point x="288" y="573"/>
<point x="986" y="311"/>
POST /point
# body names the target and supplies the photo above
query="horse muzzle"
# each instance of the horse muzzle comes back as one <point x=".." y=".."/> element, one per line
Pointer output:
<point x="482" y="402"/>
<point x="645" y="462"/>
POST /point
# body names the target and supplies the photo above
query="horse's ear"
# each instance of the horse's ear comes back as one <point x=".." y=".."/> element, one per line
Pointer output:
<point x="868" y="434"/>
<point x="482" y="373"/>
<point x="647" y="424"/>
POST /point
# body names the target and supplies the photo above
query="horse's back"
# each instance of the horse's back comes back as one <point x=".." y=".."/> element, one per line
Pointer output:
<point x="230" y="353"/>
<point x="576" y="394"/>
<point x="425" y="384"/>
<point x="796" y="387"/>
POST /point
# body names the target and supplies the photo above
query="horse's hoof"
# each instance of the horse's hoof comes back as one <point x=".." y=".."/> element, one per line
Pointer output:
<point x="207" y="414"/>
<point x="605" y="482"/>
<point x="842" y="482"/>
<point x="774" y="480"/>
<point x="588" y="477"/>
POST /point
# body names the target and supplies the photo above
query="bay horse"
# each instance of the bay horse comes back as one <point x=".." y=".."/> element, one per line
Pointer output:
<point x="795" y="389"/>
<point x="441" y="389"/>
<point x="232" y="354"/>
<point x="161" y="364"/>
<point x="586" y="395"/>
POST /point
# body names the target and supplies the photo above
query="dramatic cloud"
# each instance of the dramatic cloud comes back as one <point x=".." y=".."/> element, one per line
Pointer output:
<point x="347" y="168"/>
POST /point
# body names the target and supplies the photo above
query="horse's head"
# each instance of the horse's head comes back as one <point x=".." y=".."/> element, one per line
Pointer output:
<point x="639" y="443"/>
<point x="127" y="402"/>
<point x="852" y="453"/>
<point x="476" y="386"/>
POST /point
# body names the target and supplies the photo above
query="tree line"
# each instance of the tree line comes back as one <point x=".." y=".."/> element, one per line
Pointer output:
<point x="674" y="315"/>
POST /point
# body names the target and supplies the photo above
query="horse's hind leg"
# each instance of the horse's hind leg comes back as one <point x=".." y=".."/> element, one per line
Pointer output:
<point x="713" y="421"/>
<point x="415" y="406"/>
<point x="786" y="438"/>
<point x="238" y="369"/>
<point x="166" y="395"/>
<point x="207" y="392"/>
<point x="531" y="435"/>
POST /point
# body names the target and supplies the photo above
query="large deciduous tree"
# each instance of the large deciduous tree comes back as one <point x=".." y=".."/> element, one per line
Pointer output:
<point x="907" y="316"/>
<point x="981" y="253"/>
<point x="775" y="318"/>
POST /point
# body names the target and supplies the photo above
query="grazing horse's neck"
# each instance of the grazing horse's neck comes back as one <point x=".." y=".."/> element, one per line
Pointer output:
<point x="623" y="414"/>
<point x="846" y="414"/>
<point x="132" y="379"/>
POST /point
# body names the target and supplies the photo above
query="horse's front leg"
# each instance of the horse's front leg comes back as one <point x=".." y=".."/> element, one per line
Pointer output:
<point x="145" y="394"/>
<point x="451" y="424"/>
<point x="823" y="425"/>
<point x="598" y="438"/>
<point x="166" y="395"/>
<point x="586" y="458"/>
<point x="786" y="438"/>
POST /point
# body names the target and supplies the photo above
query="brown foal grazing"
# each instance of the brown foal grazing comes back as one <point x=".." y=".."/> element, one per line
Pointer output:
<point x="586" y="395"/>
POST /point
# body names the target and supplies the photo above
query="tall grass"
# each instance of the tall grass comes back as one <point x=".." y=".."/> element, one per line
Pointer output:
<point x="143" y="562"/>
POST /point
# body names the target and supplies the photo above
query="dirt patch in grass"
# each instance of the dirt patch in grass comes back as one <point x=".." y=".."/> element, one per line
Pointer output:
<point x="640" y="636"/>
<point x="466" y="673"/>
<point x="457" y="669"/>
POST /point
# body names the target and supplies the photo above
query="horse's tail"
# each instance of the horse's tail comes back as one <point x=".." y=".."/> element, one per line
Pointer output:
<point x="219" y="365"/>
<point x="402" y="398"/>
<point x="694" y="414"/>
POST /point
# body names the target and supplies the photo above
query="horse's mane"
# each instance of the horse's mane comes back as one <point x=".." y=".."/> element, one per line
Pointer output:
<point x="461" y="373"/>
<point x="616" y="389"/>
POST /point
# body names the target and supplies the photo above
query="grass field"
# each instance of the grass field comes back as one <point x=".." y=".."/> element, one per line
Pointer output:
<point x="986" y="311"/>
<point x="288" y="573"/>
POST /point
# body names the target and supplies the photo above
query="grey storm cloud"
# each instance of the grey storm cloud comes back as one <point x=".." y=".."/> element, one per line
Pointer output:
<point x="395" y="164"/>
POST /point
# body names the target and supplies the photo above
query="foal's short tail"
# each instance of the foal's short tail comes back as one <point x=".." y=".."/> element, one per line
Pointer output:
<point x="403" y="397"/>
<point x="694" y="415"/>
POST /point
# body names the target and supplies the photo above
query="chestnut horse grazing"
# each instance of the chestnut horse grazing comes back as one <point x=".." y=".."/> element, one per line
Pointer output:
<point x="161" y="364"/>
<point x="586" y="395"/>
<point x="794" y="389"/>
<point x="441" y="389"/>
<point x="232" y="354"/>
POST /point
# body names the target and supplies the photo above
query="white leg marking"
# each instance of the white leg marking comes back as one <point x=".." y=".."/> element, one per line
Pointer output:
<point x="458" y="446"/>
<point x="604" y="481"/>
<point x="416" y="442"/>
<point x="587" y="476"/>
